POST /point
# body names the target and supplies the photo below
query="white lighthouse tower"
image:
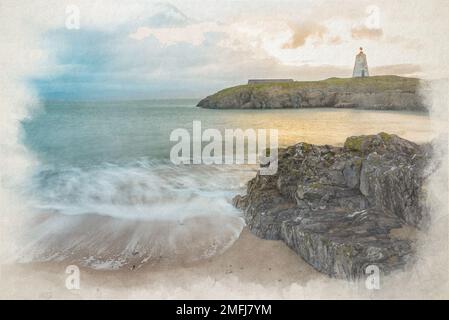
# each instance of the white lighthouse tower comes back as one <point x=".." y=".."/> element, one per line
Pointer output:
<point x="361" y="65"/>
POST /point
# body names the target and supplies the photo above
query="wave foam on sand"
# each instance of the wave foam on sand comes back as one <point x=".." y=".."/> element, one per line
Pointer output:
<point x="112" y="216"/>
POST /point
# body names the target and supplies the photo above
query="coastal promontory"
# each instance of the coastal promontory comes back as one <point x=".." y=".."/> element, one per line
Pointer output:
<point x="374" y="93"/>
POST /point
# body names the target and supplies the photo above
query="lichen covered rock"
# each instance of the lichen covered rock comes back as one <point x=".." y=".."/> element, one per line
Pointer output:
<point x="340" y="208"/>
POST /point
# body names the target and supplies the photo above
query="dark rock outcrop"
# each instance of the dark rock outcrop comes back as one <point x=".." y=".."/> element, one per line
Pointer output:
<point x="378" y="93"/>
<point x="343" y="208"/>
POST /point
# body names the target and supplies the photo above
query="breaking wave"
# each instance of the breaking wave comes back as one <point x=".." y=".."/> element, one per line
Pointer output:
<point x="112" y="216"/>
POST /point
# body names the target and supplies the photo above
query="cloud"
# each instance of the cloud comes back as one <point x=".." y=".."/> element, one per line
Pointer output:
<point x="300" y="33"/>
<point x="167" y="15"/>
<point x="397" y="69"/>
<point x="363" y="32"/>
<point x="404" y="42"/>
<point x="154" y="50"/>
<point x="193" y="33"/>
<point x="104" y="64"/>
<point x="335" y="40"/>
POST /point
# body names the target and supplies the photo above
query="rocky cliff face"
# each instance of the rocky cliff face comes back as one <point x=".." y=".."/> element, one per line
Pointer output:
<point x="379" y="93"/>
<point x="343" y="208"/>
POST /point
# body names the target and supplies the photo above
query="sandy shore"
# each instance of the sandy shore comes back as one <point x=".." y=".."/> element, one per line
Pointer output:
<point x="251" y="268"/>
<point x="249" y="262"/>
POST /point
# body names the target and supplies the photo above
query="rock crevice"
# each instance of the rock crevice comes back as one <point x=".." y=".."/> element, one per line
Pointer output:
<point x="340" y="208"/>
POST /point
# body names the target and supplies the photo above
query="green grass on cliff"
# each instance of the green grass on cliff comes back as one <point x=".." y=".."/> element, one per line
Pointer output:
<point x="368" y="84"/>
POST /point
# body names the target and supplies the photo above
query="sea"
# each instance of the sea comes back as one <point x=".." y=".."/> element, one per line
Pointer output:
<point x="105" y="194"/>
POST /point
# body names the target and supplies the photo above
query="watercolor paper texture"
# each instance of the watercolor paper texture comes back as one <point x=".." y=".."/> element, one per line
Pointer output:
<point x="224" y="149"/>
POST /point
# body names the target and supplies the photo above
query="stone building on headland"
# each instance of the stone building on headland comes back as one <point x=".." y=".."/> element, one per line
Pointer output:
<point x="361" y="65"/>
<point x="257" y="81"/>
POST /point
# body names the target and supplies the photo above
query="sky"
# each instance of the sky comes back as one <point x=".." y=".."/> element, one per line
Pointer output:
<point x="190" y="49"/>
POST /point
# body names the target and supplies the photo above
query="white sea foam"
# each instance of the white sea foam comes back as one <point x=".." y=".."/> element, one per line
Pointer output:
<point x="112" y="216"/>
<point x="143" y="191"/>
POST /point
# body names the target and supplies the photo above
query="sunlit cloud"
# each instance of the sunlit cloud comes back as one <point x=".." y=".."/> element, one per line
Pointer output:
<point x="363" y="32"/>
<point x="300" y="33"/>
<point x="148" y="47"/>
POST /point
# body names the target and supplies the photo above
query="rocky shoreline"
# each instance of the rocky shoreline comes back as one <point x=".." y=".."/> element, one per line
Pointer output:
<point x="344" y="208"/>
<point x="375" y="93"/>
